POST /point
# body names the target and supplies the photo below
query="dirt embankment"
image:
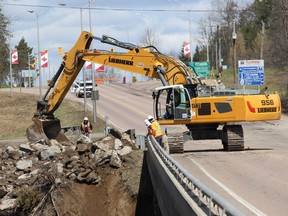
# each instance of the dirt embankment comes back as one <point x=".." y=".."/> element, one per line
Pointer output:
<point x="86" y="188"/>
<point x="99" y="178"/>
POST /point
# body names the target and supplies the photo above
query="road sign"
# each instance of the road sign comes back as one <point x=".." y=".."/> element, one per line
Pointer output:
<point x="251" y="72"/>
<point x="201" y="68"/>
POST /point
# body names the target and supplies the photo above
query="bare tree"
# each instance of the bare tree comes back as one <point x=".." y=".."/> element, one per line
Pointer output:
<point x="227" y="12"/>
<point x="149" y="38"/>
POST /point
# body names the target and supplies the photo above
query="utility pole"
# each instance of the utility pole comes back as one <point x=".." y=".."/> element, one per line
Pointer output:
<point x="219" y="54"/>
<point x="216" y="49"/>
<point x="262" y="39"/>
<point x="234" y="37"/>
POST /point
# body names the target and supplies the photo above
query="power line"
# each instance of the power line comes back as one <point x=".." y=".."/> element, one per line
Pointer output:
<point x="114" y="9"/>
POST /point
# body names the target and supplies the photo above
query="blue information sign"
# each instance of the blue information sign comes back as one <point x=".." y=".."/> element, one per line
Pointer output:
<point x="251" y="72"/>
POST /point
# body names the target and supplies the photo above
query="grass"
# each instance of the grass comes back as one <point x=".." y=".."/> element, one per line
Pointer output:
<point x="276" y="79"/>
<point x="16" y="114"/>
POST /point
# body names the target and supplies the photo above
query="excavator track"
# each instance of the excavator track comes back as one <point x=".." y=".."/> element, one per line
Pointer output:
<point x="233" y="138"/>
<point x="176" y="143"/>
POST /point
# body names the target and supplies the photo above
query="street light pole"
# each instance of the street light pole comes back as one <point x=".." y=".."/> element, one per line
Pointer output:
<point x="190" y="31"/>
<point x="38" y="46"/>
<point x="83" y="68"/>
<point x="93" y="70"/>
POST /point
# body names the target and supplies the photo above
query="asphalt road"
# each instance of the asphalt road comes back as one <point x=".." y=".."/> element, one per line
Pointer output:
<point x="254" y="180"/>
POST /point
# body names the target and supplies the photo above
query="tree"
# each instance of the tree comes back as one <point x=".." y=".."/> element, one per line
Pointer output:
<point x="24" y="58"/>
<point x="149" y="38"/>
<point x="4" y="46"/>
<point x="278" y="33"/>
<point x="228" y="13"/>
<point x="184" y="59"/>
<point x="249" y="27"/>
<point x="197" y="55"/>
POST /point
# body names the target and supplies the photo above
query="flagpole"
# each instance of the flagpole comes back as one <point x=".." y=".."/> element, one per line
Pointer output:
<point x="39" y="56"/>
<point x="10" y="72"/>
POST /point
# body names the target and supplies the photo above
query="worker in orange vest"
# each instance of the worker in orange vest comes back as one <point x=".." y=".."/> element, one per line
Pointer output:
<point x="157" y="132"/>
<point x="86" y="128"/>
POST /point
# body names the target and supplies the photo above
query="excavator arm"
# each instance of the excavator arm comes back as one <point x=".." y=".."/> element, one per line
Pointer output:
<point x="147" y="61"/>
<point x="137" y="59"/>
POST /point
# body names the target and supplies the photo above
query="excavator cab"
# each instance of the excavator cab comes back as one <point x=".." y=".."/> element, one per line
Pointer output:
<point x="172" y="103"/>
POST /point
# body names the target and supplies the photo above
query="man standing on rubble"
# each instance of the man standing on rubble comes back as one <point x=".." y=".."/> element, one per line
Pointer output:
<point x="86" y="128"/>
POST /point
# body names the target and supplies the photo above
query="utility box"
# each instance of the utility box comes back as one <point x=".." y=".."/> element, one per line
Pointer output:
<point x="95" y="95"/>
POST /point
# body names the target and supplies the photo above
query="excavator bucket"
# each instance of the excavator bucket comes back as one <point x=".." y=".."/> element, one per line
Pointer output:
<point x="45" y="130"/>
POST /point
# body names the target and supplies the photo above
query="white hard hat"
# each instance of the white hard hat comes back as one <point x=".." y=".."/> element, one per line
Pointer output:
<point x="147" y="123"/>
<point x="150" y="118"/>
<point x="85" y="119"/>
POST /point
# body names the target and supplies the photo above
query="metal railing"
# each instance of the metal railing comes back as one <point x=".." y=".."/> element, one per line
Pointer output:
<point x="210" y="202"/>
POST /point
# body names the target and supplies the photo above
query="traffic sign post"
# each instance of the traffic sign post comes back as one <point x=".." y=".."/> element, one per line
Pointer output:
<point x="251" y="72"/>
<point x="201" y="68"/>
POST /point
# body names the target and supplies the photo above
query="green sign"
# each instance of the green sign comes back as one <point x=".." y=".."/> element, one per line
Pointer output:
<point x="201" y="68"/>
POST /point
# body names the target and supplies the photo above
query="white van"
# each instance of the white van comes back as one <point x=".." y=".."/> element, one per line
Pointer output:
<point x="80" y="91"/>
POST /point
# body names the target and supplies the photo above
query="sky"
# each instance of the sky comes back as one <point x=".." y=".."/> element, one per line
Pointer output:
<point x="125" y="20"/>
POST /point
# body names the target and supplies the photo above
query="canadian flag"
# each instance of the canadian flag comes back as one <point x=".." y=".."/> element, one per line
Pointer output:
<point x="186" y="47"/>
<point x="100" y="68"/>
<point x="44" y="59"/>
<point x="14" y="57"/>
<point x="88" y="65"/>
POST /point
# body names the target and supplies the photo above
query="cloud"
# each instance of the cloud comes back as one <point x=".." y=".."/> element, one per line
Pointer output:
<point x="61" y="26"/>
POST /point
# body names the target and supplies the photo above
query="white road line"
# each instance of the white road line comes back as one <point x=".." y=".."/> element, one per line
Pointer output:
<point x="233" y="194"/>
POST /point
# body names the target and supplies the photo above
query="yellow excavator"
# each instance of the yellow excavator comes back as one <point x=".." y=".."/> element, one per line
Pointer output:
<point x="182" y="100"/>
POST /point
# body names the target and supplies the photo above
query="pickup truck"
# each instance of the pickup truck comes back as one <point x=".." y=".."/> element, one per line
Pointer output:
<point x="80" y="90"/>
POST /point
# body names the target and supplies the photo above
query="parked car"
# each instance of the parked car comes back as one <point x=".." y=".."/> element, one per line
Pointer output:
<point x="80" y="91"/>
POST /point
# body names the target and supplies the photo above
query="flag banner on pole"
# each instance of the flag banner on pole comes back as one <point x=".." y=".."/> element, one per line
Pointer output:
<point x="186" y="47"/>
<point x="99" y="68"/>
<point x="88" y="65"/>
<point x="14" y="57"/>
<point x="44" y="59"/>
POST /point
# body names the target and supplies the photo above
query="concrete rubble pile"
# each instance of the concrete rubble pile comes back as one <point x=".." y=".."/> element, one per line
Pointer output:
<point x="30" y="163"/>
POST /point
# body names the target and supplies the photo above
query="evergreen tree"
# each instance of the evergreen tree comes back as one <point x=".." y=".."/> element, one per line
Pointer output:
<point x="24" y="58"/>
<point x="184" y="59"/>
<point x="4" y="46"/>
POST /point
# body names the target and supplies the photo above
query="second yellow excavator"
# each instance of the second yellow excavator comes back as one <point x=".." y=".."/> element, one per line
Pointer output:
<point x="182" y="100"/>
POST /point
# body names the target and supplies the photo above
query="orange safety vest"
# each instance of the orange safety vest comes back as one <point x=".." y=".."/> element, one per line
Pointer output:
<point x="156" y="129"/>
<point x="86" y="128"/>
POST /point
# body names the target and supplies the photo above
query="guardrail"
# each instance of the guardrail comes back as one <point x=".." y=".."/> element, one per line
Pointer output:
<point x="192" y="193"/>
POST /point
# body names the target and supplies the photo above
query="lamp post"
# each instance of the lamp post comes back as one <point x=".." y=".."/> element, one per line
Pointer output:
<point x="190" y="33"/>
<point x="83" y="69"/>
<point x="38" y="46"/>
<point x="93" y="69"/>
